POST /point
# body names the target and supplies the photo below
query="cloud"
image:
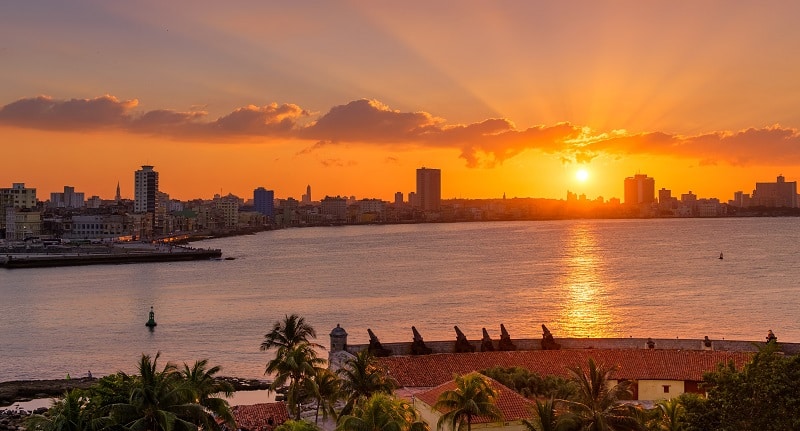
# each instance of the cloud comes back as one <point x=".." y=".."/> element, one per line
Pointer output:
<point x="484" y="143"/>
<point x="367" y="122"/>
<point x="101" y="113"/>
<point x="45" y="113"/>
<point x="270" y="120"/>
<point x="772" y="145"/>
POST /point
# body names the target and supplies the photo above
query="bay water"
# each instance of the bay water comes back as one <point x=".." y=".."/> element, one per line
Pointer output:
<point x="659" y="278"/>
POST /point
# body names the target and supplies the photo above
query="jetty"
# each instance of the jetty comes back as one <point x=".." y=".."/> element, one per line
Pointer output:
<point x="117" y="253"/>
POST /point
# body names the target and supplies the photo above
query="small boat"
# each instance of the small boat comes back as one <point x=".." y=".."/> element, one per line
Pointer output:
<point x="230" y="258"/>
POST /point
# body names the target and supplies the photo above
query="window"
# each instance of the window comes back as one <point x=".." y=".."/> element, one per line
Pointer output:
<point x="666" y="388"/>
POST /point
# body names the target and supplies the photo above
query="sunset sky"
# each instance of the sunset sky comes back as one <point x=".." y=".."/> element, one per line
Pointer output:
<point x="509" y="97"/>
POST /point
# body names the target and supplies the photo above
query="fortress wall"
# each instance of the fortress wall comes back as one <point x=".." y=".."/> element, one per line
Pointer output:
<point x="404" y="348"/>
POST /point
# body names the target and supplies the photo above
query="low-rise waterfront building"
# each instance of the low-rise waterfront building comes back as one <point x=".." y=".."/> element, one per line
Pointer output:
<point x="104" y="226"/>
<point x="22" y="223"/>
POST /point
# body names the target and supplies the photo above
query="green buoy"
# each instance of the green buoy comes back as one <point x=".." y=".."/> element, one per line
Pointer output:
<point x="151" y="322"/>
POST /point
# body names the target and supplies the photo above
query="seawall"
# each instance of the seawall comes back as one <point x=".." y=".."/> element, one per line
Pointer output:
<point x="404" y="348"/>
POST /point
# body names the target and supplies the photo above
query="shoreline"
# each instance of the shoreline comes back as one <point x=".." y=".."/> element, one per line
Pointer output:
<point x="26" y="390"/>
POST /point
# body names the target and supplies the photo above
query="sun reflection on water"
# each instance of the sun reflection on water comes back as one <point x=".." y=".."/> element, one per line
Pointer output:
<point x="584" y="310"/>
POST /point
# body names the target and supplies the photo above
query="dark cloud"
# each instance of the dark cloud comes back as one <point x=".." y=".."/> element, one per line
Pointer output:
<point x="46" y="113"/>
<point x="369" y="122"/>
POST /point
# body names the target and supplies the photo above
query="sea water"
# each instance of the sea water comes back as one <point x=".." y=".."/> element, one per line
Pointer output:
<point x="657" y="278"/>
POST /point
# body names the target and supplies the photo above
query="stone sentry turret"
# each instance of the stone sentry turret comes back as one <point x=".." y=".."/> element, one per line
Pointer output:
<point x="338" y="339"/>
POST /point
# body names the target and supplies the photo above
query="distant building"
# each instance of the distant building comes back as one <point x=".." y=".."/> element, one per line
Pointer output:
<point x="429" y="189"/>
<point x="68" y="199"/>
<point x="145" y="188"/>
<point x="22" y="223"/>
<point x="96" y="226"/>
<point x="264" y="202"/>
<point x="306" y="198"/>
<point x="117" y="196"/>
<point x="776" y="195"/>
<point x="640" y="189"/>
<point x="334" y="208"/>
<point x="95" y="202"/>
<point x="18" y="196"/>
<point x="228" y="208"/>
<point x="741" y="200"/>
<point x="398" y="198"/>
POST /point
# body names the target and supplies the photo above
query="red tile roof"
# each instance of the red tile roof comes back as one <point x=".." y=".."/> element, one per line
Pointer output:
<point x="256" y="417"/>
<point x="512" y="406"/>
<point x="631" y="364"/>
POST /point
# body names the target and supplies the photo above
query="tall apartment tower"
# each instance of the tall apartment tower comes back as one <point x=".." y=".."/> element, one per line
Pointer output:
<point x="640" y="189"/>
<point x="306" y="198"/>
<point x="145" y="189"/>
<point x="429" y="189"/>
<point x="264" y="201"/>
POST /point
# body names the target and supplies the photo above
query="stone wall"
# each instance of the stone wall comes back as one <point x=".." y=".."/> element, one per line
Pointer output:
<point x="404" y="348"/>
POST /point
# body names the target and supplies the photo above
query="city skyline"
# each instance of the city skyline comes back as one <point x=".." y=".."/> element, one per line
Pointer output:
<point x="508" y="98"/>
<point x="733" y="196"/>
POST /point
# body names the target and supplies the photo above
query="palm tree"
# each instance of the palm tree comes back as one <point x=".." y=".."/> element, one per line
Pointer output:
<point x="298" y="365"/>
<point x="67" y="414"/>
<point x="202" y="381"/>
<point x="548" y="418"/>
<point x="288" y="333"/>
<point x="328" y="392"/>
<point x="159" y="401"/>
<point x="473" y="396"/>
<point x="671" y="415"/>
<point x="597" y="405"/>
<point x="362" y="377"/>
<point x="382" y="412"/>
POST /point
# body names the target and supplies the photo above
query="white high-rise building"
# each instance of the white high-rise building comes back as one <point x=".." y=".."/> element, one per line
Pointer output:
<point x="145" y="189"/>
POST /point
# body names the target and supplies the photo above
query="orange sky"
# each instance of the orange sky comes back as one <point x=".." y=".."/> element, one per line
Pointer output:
<point x="351" y="97"/>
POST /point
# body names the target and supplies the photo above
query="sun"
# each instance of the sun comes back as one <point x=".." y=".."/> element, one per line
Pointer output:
<point x="582" y="175"/>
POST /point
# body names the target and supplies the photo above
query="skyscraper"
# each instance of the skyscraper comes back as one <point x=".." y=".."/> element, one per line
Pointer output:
<point x="145" y="190"/>
<point x="264" y="201"/>
<point x="429" y="189"/>
<point x="640" y="189"/>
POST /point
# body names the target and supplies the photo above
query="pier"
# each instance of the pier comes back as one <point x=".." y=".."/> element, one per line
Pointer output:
<point x="105" y="255"/>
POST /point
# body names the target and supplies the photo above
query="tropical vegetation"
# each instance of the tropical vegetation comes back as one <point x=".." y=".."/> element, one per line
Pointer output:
<point x="157" y="399"/>
<point x="762" y="396"/>
<point x="381" y="412"/>
<point x="473" y="396"/>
